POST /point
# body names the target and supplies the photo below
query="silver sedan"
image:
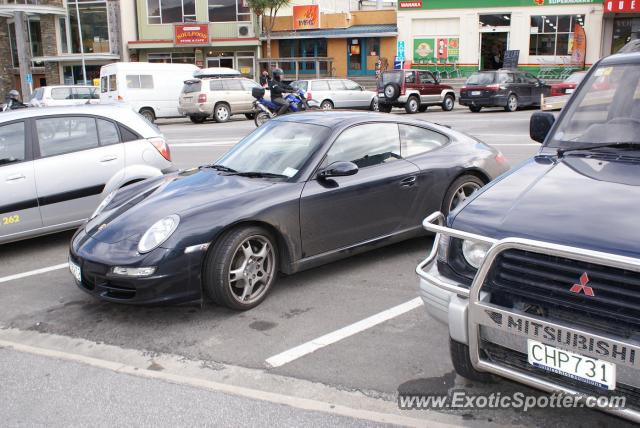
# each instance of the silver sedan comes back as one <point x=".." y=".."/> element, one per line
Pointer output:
<point x="58" y="163"/>
<point x="338" y="93"/>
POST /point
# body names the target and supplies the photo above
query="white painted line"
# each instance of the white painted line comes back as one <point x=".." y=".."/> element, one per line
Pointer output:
<point x="203" y="144"/>
<point x="335" y="336"/>
<point x="515" y="144"/>
<point x="525" y="135"/>
<point x="33" y="272"/>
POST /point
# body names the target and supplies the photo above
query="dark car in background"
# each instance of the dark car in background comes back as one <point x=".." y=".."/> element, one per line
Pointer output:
<point x="538" y="275"/>
<point x="299" y="191"/>
<point x="509" y="89"/>
<point x="414" y="90"/>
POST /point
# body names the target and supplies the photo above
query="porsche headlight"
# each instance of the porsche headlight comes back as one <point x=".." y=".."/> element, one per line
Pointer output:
<point x="475" y="252"/>
<point x="106" y="201"/>
<point x="158" y="233"/>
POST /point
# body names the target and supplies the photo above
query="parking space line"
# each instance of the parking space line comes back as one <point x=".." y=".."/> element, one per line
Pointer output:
<point x="33" y="272"/>
<point x="203" y="144"/>
<point x="335" y="336"/>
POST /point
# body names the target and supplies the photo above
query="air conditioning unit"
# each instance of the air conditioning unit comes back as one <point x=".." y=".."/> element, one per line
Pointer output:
<point x="245" y="30"/>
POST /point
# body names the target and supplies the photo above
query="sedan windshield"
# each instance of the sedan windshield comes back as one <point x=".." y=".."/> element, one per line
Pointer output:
<point x="278" y="148"/>
<point x="481" y="79"/>
<point x="606" y="110"/>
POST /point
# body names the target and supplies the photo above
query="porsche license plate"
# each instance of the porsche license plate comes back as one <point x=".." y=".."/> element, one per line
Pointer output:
<point x="585" y="369"/>
<point x="75" y="271"/>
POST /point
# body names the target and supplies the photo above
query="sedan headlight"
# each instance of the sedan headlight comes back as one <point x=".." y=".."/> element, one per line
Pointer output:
<point x="475" y="252"/>
<point x="106" y="201"/>
<point x="158" y="233"/>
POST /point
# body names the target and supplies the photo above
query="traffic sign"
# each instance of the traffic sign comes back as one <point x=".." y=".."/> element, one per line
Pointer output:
<point x="400" y="50"/>
<point x="29" y="78"/>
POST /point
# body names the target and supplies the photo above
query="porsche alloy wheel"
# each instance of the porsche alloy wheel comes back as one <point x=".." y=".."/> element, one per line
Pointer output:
<point x="459" y="191"/>
<point x="241" y="269"/>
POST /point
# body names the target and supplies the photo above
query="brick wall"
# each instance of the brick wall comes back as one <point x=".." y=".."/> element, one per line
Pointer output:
<point x="50" y="48"/>
<point x="6" y="68"/>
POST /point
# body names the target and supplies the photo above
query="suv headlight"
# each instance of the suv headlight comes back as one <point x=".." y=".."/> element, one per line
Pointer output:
<point x="106" y="201"/>
<point x="475" y="252"/>
<point x="158" y="233"/>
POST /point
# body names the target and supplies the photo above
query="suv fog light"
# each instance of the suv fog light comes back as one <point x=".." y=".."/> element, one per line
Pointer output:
<point x="136" y="272"/>
<point x="475" y="252"/>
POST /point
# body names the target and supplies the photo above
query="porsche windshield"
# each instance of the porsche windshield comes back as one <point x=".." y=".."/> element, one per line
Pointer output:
<point x="606" y="109"/>
<point x="277" y="147"/>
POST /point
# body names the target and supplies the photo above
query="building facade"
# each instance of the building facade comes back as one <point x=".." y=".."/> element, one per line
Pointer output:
<point x="207" y="33"/>
<point x="474" y="34"/>
<point x="315" y="43"/>
<point x="62" y="41"/>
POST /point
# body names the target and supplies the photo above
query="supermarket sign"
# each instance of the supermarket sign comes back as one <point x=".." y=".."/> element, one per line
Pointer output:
<point x="475" y="4"/>
<point x="621" y="6"/>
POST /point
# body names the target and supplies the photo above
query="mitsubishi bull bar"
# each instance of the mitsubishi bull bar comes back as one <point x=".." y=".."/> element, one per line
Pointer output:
<point x="481" y="312"/>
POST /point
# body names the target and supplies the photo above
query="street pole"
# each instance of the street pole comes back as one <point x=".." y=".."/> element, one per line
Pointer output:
<point x="84" y="66"/>
<point x="24" y="55"/>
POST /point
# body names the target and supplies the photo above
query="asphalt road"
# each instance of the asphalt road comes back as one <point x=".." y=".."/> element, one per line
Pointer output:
<point x="372" y="363"/>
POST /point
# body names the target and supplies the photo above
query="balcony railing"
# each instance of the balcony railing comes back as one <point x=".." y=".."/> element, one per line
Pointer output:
<point x="297" y="68"/>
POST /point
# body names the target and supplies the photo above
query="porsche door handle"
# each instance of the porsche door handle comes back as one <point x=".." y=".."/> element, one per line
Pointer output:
<point x="409" y="181"/>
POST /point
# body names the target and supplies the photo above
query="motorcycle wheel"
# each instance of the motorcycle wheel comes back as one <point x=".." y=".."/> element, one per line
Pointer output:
<point x="261" y="118"/>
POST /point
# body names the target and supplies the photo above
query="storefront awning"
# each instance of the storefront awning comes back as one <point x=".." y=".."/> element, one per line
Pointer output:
<point x="379" y="30"/>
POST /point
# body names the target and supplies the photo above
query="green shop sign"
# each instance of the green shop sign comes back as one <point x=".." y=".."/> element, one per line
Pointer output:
<point x="475" y="4"/>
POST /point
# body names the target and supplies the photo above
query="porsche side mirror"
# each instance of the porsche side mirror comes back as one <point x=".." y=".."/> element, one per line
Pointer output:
<point x="539" y="125"/>
<point x="339" y="169"/>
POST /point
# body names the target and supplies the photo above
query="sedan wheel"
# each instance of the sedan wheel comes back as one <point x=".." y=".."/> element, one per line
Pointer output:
<point x="221" y="113"/>
<point x="241" y="268"/>
<point x="459" y="191"/>
<point x="512" y="103"/>
<point x="326" y="105"/>
<point x="374" y="104"/>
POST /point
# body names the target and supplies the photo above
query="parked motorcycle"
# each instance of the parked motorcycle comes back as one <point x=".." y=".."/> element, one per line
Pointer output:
<point x="266" y="109"/>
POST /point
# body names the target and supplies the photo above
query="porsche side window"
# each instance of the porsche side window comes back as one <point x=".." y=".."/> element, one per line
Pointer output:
<point x="416" y="140"/>
<point x="366" y="145"/>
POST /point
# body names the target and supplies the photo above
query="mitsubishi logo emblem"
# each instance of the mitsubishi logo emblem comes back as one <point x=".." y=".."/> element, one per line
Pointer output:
<point x="577" y="288"/>
<point x="102" y="227"/>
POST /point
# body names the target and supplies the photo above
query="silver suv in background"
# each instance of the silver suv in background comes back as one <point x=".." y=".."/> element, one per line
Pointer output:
<point x="217" y="97"/>
<point x="57" y="164"/>
<point x="338" y="93"/>
<point x="64" y="95"/>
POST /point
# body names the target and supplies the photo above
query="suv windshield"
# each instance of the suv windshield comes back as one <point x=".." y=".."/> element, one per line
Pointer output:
<point x="606" y="109"/>
<point x="392" y="77"/>
<point x="277" y="147"/>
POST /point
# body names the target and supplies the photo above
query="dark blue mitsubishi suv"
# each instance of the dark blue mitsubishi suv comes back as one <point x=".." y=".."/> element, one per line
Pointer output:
<point x="537" y="275"/>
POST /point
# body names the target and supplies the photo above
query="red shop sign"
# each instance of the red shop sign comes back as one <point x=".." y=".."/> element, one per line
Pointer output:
<point x="416" y="4"/>
<point x="624" y="6"/>
<point x="192" y="34"/>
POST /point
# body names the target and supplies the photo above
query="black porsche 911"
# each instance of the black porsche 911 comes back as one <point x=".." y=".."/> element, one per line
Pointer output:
<point x="300" y="191"/>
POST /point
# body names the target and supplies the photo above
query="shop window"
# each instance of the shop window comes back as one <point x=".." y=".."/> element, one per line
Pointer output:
<point x="174" y="57"/>
<point x="495" y="20"/>
<point x="305" y="48"/>
<point x="170" y="11"/>
<point x="229" y="10"/>
<point x="553" y="35"/>
<point x="373" y="46"/>
<point x="94" y="26"/>
<point x="622" y="30"/>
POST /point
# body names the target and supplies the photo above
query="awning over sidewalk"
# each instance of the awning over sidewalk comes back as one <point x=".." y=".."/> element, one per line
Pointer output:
<point x="379" y="30"/>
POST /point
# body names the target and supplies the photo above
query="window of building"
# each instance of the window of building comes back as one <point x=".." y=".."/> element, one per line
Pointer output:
<point x="622" y="30"/>
<point x="64" y="37"/>
<point x="553" y="35"/>
<point x="35" y="39"/>
<point x="14" y="45"/>
<point x="495" y="20"/>
<point x="93" y="30"/>
<point x="229" y="10"/>
<point x="174" y="57"/>
<point x="170" y="11"/>
<point x="373" y="46"/>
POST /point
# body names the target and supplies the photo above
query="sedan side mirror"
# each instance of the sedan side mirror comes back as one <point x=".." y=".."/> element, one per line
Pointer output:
<point x="540" y="125"/>
<point x="339" y="169"/>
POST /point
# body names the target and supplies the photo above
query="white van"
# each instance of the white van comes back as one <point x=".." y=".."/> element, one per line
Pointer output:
<point x="152" y="89"/>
